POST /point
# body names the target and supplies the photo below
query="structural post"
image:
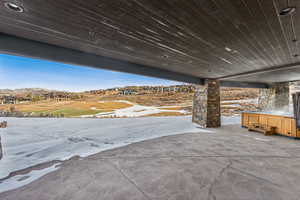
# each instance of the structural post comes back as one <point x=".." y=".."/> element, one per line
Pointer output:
<point x="275" y="98"/>
<point x="206" y="105"/>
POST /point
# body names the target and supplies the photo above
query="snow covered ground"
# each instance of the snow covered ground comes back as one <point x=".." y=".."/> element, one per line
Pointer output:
<point x="31" y="141"/>
<point x="135" y="110"/>
<point x="253" y="101"/>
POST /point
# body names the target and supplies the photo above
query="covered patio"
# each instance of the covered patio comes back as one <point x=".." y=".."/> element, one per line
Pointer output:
<point x="210" y="43"/>
<point x="224" y="163"/>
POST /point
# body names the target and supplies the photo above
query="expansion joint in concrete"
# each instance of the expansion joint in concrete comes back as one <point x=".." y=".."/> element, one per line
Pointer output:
<point x="215" y="181"/>
<point x="130" y="180"/>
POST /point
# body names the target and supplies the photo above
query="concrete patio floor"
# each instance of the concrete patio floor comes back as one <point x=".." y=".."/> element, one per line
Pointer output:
<point x="229" y="163"/>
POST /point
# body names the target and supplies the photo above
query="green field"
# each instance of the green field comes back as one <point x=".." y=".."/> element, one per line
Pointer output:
<point x="69" y="112"/>
<point x="67" y="108"/>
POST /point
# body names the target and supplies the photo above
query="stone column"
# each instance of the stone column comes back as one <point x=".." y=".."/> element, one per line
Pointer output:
<point x="206" y="105"/>
<point x="275" y="98"/>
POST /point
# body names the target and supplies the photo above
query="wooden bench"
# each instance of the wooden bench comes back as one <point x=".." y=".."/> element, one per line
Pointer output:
<point x="266" y="130"/>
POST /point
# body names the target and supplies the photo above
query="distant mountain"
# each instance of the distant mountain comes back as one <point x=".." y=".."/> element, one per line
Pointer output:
<point x="25" y="91"/>
<point x="37" y="91"/>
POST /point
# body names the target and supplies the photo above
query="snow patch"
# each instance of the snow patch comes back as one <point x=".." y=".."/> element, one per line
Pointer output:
<point x="24" y="179"/>
<point x="135" y="110"/>
<point x="31" y="141"/>
<point x="253" y="101"/>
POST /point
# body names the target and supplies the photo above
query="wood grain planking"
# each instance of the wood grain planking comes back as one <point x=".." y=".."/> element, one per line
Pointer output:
<point x="188" y="37"/>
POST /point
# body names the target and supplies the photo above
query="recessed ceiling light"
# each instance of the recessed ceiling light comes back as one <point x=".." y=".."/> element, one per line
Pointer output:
<point x="228" y="49"/>
<point x="14" y="7"/>
<point x="287" y="11"/>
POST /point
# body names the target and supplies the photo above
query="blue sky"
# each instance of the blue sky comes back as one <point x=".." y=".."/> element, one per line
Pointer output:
<point x="21" y="72"/>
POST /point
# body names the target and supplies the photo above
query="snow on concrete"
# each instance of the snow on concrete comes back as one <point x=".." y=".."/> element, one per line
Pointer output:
<point x="31" y="141"/>
<point x="21" y="180"/>
<point x="135" y="110"/>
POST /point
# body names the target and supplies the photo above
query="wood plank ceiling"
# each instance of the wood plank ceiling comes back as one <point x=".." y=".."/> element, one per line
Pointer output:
<point x="203" y="38"/>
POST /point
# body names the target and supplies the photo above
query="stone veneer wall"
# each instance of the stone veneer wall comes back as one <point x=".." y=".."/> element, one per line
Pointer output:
<point x="266" y="99"/>
<point x="275" y="98"/>
<point x="206" y="105"/>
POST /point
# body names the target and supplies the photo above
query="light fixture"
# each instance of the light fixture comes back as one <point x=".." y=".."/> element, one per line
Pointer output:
<point x="14" y="7"/>
<point x="287" y="11"/>
<point x="228" y="49"/>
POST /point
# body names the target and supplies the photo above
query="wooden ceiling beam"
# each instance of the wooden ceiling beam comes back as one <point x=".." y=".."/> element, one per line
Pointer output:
<point x="28" y="48"/>
<point x="244" y="84"/>
<point x="262" y="71"/>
